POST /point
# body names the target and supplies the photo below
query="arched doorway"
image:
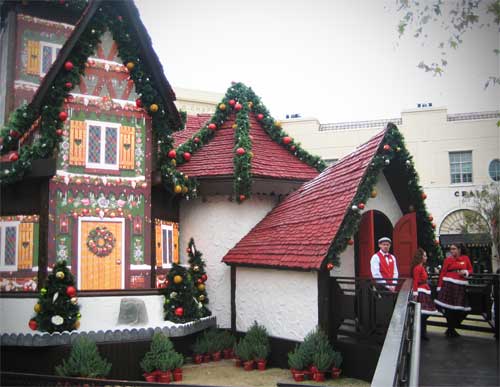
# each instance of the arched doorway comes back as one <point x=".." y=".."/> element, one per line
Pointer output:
<point x="469" y="228"/>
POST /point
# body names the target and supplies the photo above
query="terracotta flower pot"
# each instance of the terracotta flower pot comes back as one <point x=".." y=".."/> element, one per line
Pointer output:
<point x="206" y="358"/>
<point x="261" y="365"/>
<point x="319" y="376"/>
<point x="177" y="374"/>
<point x="216" y="356"/>
<point x="165" y="376"/>
<point x="227" y="353"/>
<point x="237" y="363"/>
<point x="336" y="372"/>
<point x="198" y="359"/>
<point x="248" y="365"/>
<point x="150" y="377"/>
<point x="298" y="376"/>
<point x="313" y="369"/>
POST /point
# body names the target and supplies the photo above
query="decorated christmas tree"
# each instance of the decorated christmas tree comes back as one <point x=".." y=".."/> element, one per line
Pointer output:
<point x="180" y="304"/>
<point x="198" y="276"/>
<point x="57" y="308"/>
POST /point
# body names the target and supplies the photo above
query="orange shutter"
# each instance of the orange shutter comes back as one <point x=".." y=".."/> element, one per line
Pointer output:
<point x="25" y="246"/>
<point x="77" y="143"/>
<point x="176" y="243"/>
<point x="127" y="147"/>
<point x="33" y="62"/>
<point x="158" y="243"/>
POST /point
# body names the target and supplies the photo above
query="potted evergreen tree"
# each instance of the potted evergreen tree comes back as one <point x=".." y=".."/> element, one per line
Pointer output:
<point x="164" y="365"/>
<point x="261" y="352"/>
<point x="337" y="362"/>
<point x="148" y="365"/>
<point x="199" y="349"/>
<point x="245" y="353"/>
<point x="176" y="363"/>
<point x="227" y="343"/>
<point x="160" y="357"/>
<point x="296" y="364"/>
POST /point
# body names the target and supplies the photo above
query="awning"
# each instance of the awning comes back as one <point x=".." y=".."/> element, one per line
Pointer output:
<point x="466" y="239"/>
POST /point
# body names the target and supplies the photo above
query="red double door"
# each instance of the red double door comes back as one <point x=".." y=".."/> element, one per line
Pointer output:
<point x="404" y="243"/>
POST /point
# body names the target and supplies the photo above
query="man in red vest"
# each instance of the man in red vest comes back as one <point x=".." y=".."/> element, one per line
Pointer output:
<point x="383" y="265"/>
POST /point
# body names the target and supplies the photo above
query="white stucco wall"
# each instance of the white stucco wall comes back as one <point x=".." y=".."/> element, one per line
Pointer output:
<point x="285" y="302"/>
<point x="385" y="201"/>
<point x="216" y="225"/>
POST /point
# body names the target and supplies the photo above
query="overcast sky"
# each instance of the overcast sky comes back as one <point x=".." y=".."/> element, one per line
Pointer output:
<point x="336" y="60"/>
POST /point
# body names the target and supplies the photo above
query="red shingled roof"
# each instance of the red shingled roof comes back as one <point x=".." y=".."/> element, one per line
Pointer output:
<point x="299" y="231"/>
<point x="216" y="158"/>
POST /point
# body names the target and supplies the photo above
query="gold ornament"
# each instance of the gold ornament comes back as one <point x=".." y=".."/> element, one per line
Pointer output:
<point x="196" y="268"/>
<point x="173" y="162"/>
<point x="153" y="108"/>
<point x="60" y="275"/>
<point x="201" y="297"/>
<point x="222" y="106"/>
<point x="201" y="287"/>
<point x="37" y="308"/>
<point x="78" y="315"/>
<point x="177" y="279"/>
<point x="373" y="194"/>
<point x="250" y="154"/>
<point x="177" y="189"/>
<point x="186" y="177"/>
<point x="250" y="104"/>
<point x="130" y="66"/>
<point x="278" y="124"/>
<point x="234" y="126"/>
<point x="74" y="300"/>
<point x="184" y="189"/>
<point x="77" y="324"/>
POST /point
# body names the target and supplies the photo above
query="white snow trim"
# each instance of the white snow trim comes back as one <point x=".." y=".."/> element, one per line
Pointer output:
<point x="140" y="267"/>
<point x="430" y="312"/>
<point x="455" y="281"/>
<point x="455" y="307"/>
<point x="140" y="179"/>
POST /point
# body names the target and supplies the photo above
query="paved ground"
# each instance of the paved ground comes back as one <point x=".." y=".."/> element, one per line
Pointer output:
<point x="470" y="360"/>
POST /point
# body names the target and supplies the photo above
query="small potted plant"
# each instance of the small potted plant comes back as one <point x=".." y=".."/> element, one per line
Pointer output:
<point x="337" y="362"/>
<point x="322" y="360"/>
<point x="246" y="355"/>
<point x="296" y="364"/>
<point x="227" y="343"/>
<point x="164" y="365"/>
<point x="199" y="348"/>
<point x="176" y="364"/>
<point x="260" y="355"/>
<point x="148" y="365"/>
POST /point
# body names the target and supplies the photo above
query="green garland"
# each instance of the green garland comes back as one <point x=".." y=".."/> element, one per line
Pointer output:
<point x="51" y="123"/>
<point x="241" y="100"/>
<point x="397" y="155"/>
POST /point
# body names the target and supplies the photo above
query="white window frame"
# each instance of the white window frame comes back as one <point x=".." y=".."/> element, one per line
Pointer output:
<point x="101" y="164"/>
<point x="461" y="182"/>
<point x="54" y="47"/>
<point x="170" y="259"/>
<point x="489" y="167"/>
<point x="3" y="226"/>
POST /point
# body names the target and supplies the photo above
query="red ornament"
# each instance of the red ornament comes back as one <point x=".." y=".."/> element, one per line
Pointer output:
<point x="424" y="196"/>
<point x="59" y="132"/>
<point x="436" y="242"/>
<point x="172" y="154"/>
<point x="240" y="151"/>
<point x="68" y="85"/>
<point x="14" y="134"/>
<point x="242" y="197"/>
<point x="71" y="291"/>
<point x="433" y="225"/>
<point x="138" y="102"/>
<point x="179" y="311"/>
<point x="361" y="206"/>
<point x="14" y="156"/>
<point x="187" y="156"/>
<point x="260" y="116"/>
<point x="387" y="147"/>
<point x="204" y="277"/>
<point x="431" y="218"/>
<point x="199" y="281"/>
<point x="212" y="126"/>
<point x="350" y="242"/>
<point x="196" y="140"/>
<point x="1" y="140"/>
<point x="293" y="148"/>
<point x="232" y="102"/>
<point x="238" y="107"/>
<point x="63" y="116"/>
<point x="329" y="266"/>
<point x="287" y="140"/>
<point x="33" y="325"/>
<point x="68" y="66"/>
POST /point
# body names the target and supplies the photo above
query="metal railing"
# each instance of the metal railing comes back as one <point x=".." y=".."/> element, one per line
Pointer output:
<point x="398" y="364"/>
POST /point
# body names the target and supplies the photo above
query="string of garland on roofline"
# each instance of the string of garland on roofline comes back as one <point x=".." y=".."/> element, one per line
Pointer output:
<point x="241" y="100"/>
<point x="52" y="115"/>
<point x="392" y="150"/>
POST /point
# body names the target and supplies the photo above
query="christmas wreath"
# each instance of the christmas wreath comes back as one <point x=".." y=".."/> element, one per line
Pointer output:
<point x="101" y="241"/>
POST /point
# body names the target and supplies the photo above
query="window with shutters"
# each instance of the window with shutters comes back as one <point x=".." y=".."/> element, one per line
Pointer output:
<point x="49" y="52"/>
<point x="102" y="145"/>
<point x="167" y="244"/>
<point x="8" y="245"/>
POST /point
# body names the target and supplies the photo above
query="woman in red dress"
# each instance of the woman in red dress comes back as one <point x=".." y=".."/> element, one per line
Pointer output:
<point x="422" y="290"/>
<point x="451" y="287"/>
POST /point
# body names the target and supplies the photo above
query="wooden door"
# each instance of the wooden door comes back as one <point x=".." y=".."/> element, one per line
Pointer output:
<point x="405" y="242"/>
<point x="366" y="242"/>
<point x="101" y="272"/>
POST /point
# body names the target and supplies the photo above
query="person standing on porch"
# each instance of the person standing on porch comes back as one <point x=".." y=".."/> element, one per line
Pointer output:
<point x="422" y="290"/>
<point x="451" y="288"/>
<point x="383" y="266"/>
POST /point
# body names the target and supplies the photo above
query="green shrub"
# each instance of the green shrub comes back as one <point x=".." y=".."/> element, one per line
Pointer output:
<point x="257" y="337"/>
<point x="323" y="360"/>
<point x="84" y="361"/>
<point x="296" y="359"/>
<point x="200" y="346"/>
<point x="164" y="361"/>
<point x="337" y="360"/>
<point x="161" y="343"/>
<point x="227" y="340"/>
<point x="312" y="342"/>
<point x="161" y="355"/>
<point x="177" y="360"/>
<point x="244" y="351"/>
<point x="260" y="352"/>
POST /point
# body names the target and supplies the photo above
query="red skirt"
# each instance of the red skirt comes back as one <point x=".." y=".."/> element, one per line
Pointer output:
<point x="452" y="296"/>
<point x="427" y="305"/>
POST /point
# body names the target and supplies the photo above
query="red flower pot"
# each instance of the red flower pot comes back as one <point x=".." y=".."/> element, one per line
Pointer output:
<point x="336" y="372"/>
<point x="216" y="356"/>
<point x="150" y="377"/>
<point x="164" y="376"/>
<point x="261" y="365"/>
<point x="198" y="359"/>
<point x="307" y="374"/>
<point x="206" y="358"/>
<point x="177" y="374"/>
<point x="319" y="376"/>
<point x="237" y="363"/>
<point x="248" y="365"/>
<point x="298" y="376"/>
<point x="313" y="369"/>
<point x="227" y="353"/>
